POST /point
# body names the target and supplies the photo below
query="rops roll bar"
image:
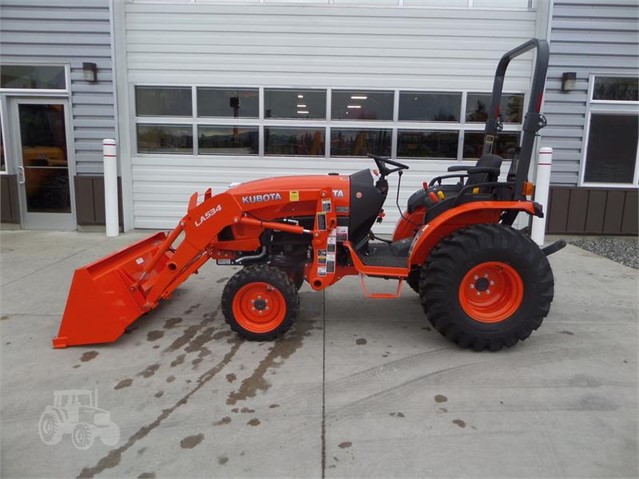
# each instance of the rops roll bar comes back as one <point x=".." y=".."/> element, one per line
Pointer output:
<point x="533" y="120"/>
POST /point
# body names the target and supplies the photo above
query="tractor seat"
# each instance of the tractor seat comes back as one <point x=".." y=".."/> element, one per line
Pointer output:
<point x="486" y="169"/>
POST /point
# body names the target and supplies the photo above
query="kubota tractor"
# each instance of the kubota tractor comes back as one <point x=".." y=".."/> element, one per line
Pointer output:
<point x="482" y="284"/>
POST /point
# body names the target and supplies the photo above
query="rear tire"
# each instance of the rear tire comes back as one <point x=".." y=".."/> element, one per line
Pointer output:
<point x="413" y="280"/>
<point x="50" y="428"/>
<point x="486" y="287"/>
<point x="260" y="302"/>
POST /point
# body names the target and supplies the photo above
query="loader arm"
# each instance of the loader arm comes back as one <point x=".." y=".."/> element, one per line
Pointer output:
<point x="110" y="294"/>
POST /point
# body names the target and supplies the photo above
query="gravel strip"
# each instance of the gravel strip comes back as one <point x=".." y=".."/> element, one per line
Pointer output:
<point x="622" y="250"/>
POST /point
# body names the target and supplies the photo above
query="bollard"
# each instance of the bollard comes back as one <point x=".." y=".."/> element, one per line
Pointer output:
<point x="110" y="187"/>
<point x="542" y="187"/>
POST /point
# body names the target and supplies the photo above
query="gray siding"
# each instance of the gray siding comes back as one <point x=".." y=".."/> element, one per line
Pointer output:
<point x="68" y="32"/>
<point x="586" y="37"/>
<point x="325" y="46"/>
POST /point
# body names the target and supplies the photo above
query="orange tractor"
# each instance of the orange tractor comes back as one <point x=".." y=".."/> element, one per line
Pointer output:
<point x="482" y="284"/>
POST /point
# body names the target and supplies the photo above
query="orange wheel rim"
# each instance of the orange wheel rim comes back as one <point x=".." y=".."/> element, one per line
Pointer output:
<point x="491" y="292"/>
<point x="259" y="307"/>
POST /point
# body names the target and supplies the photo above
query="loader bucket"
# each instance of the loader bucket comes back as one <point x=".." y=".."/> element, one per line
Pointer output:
<point x="108" y="295"/>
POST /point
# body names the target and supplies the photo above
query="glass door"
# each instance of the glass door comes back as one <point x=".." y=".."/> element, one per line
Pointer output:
<point x="46" y="193"/>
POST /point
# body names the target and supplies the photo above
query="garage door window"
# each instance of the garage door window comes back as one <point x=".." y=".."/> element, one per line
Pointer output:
<point x="360" y="142"/>
<point x="294" y="141"/>
<point x="419" y="106"/>
<point x="427" y="144"/>
<point x="165" y="139"/>
<point x="228" y="102"/>
<point x="295" y="104"/>
<point x="170" y="101"/>
<point x="362" y="105"/>
<point x="315" y="122"/>
<point x="229" y="140"/>
<point x="511" y="107"/>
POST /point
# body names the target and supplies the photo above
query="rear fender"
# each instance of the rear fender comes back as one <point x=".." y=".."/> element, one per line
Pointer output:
<point x="459" y="217"/>
<point x="409" y="223"/>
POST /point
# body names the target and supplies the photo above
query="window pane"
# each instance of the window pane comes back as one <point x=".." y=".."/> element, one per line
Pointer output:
<point x="165" y="139"/>
<point x="350" y="142"/>
<point x="31" y="76"/>
<point x="294" y="141"/>
<point x="427" y="144"/>
<point x="169" y="101"/>
<point x="505" y="145"/>
<point x="295" y="104"/>
<point x="511" y="107"/>
<point x="612" y="149"/>
<point x="228" y="102"/>
<point x="415" y="106"/>
<point x="214" y="140"/>
<point x="616" y="88"/>
<point x="362" y="105"/>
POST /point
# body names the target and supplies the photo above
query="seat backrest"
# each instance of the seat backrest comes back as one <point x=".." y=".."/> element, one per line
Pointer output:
<point x="491" y="161"/>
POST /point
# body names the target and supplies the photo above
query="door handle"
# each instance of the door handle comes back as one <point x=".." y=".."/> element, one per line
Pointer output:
<point x="21" y="175"/>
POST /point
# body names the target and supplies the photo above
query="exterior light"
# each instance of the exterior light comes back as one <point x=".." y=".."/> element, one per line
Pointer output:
<point x="90" y="71"/>
<point x="301" y="106"/>
<point x="568" y="81"/>
<point x="354" y="106"/>
<point x="300" y="96"/>
<point x="359" y="97"/>
<point x="302" y="112"/>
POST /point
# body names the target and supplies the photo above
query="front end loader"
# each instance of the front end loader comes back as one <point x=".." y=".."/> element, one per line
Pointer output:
<point x="482" y="284"/>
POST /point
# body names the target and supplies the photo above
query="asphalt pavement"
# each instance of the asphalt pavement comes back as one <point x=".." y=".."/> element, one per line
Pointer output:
<point x="358" y="388"/>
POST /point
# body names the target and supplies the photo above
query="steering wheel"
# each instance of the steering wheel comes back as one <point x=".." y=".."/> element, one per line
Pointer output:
<point x="381" y="161"/>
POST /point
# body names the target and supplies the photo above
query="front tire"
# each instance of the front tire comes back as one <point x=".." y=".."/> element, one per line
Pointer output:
<point x="82" y="436"/>
<point x="260" y="302"/>
<point x="486" y="287"/>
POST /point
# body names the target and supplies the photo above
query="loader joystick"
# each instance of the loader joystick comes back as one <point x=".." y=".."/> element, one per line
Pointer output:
<point x="384" y="170"/>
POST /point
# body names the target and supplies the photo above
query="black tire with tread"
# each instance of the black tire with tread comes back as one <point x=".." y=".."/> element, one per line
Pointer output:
<point x="267" y="274"/>
<point x="413" y="280"/>
<point x="455" y="255"/>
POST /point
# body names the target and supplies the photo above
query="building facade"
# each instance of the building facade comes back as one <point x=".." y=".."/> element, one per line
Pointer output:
<point x="212" y="92"/>
<point x="53" y="117"/>
<point x="593" y="120"/>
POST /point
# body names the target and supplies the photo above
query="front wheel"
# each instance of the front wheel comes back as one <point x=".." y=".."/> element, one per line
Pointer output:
<point x="486" y="287"/>
<point x="260" y="302"/>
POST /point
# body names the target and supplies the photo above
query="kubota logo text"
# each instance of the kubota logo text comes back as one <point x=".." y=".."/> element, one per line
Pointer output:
<point x="259" y="198"/>
<point x="209" y="214"/>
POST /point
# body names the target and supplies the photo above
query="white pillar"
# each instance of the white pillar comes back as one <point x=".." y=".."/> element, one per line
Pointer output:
<point x="110" y="187"/>
<point x="542" y="188"/>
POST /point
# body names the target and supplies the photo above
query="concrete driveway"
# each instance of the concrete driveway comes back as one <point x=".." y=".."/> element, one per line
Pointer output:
<point x="358" y="388"/>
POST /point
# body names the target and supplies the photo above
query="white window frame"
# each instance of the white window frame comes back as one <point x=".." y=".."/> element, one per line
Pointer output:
<point x="606" y="107"/>
<point x="42" y="91"/>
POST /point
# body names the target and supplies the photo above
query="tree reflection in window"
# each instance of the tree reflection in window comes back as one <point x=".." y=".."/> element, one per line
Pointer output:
<point x="511" y="107"/>
<point x="352" y="142"/>
<point x="294" y="141"/>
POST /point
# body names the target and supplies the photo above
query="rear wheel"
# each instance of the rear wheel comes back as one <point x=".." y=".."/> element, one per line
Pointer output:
<point x="50" y="428"/>
<point x="413" y="279"/>
<point x="260" y="302"/>
<point x="486" y="286"/>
